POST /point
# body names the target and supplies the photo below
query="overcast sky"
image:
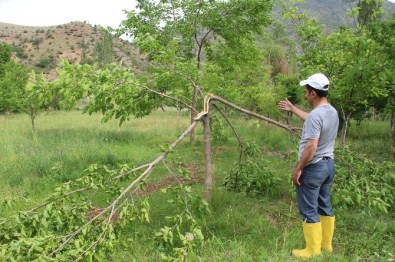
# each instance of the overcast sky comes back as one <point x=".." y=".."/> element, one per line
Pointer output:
<point x="56" y="12"/>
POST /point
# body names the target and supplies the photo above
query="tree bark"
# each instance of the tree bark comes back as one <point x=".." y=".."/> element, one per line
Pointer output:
<point x="193" y="114"/>
<point x="195" y="88"/>
<point x="344" y="129"/>
<point x="32" y="118"/>
<point x="208" y="181"/>
<point x="343" y="134"/>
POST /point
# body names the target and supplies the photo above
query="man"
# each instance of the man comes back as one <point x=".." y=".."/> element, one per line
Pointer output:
<point x="315" y="170"/>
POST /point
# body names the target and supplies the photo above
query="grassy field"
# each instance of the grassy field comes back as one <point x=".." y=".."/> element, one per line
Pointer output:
<point x="239" y="228"/>
<point x="372" y="138"/>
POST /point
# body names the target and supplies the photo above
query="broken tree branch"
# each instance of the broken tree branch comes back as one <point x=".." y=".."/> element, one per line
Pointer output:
<point x="245" y="111"/>
<point x="131" y="186"/>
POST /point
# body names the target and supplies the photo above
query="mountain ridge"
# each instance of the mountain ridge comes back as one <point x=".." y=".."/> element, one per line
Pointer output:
<point x="42" y="47"/>
<point x="333" y="13"/>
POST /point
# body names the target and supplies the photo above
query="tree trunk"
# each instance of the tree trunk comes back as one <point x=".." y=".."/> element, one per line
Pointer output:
<point x="32" y="118"/>
<point x="193" y="115"/>
<point x="195" y="88"/>
<point x="346" y="120"/>
<point x="207" y="158"/>
<point x="393" y="134"/>
<point x="344" y="129"/>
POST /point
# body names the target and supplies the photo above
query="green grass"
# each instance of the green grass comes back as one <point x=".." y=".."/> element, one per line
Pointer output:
<point x="239" y="228"/>
<point x="372" y="138"/>
<point x="65" y="143"/>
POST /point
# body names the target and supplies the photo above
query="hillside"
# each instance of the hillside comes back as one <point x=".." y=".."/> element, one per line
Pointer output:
<point x="334" y="13"/>
<point x="44" y="47"/>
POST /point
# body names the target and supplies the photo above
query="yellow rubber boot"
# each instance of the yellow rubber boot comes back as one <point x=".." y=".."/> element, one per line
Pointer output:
<point x="328" y="227"/>
<point x="313" y="237"/>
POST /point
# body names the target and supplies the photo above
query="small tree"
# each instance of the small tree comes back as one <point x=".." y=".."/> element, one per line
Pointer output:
<point x="383" y="32"/>
<point x="36" y="96"/>
<point x="84" y="49"/>
<point x="13" y="79"/>
<point x="5" y="55"/>
<point x="103" y="53"/>
<point x="192" y="27"/>
<point x="367" y="11"/>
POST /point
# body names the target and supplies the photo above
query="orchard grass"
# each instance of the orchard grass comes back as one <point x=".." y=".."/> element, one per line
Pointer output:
<point x="372" y="138"/>
<point x="239" y="228"/>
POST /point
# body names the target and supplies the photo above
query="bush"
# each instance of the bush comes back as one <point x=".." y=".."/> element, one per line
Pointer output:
<point x="19" y="52"/>
<point x="251" y="174"/>
<point x="46" y="62"/>
<point x="360" y="182"/>
<point x="36" y="42"/>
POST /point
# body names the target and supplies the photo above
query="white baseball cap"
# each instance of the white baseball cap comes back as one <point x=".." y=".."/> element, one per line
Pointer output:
<point x="317" y="81"/>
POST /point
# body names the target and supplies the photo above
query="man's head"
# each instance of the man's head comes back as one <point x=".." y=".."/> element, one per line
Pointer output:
<point x="318" y="83"/>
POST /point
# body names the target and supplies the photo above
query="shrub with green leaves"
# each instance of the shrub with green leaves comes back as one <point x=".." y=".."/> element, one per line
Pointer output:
<point x="360" y="182"/>
<point x="251" y="175"/>
<point x="184" y="233"/>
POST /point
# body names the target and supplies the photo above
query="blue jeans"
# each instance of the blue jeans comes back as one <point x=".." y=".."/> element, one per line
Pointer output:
<point x="314" y="192"/>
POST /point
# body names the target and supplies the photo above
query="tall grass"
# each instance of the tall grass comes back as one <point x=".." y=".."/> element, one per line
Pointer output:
<point x="373" y="138"/>
<point x="239" y="228"/>
<point x="65" y="143"/>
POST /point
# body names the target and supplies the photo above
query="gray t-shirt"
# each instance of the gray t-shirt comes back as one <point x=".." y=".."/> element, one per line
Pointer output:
<point x="322" y="123"/>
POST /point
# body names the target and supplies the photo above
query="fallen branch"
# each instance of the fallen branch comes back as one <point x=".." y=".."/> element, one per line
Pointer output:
<point x="131" y="186"/>
<point x="85" y="188"/>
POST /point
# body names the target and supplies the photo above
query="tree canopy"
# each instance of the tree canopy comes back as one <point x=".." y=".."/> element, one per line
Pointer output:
<point x="356" y="62"/>
<point x="206" y="42"/>
<point x="13" y="78"/>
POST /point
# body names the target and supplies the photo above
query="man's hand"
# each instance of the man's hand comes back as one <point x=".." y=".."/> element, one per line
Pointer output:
<point x="296" y="176"/>
<point x="285" y="105"/>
